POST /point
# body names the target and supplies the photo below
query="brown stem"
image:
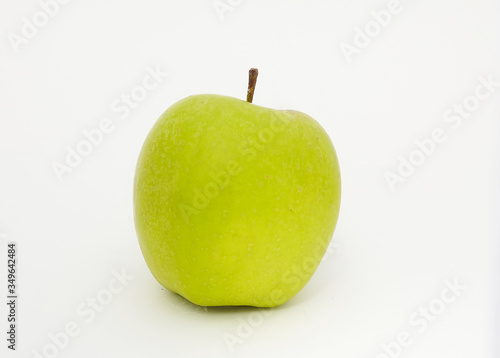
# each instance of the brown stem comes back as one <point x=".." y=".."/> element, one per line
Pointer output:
<point x="252" y="80"/>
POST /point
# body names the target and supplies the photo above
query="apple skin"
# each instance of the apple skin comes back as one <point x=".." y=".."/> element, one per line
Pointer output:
<point x="235" y="204"/>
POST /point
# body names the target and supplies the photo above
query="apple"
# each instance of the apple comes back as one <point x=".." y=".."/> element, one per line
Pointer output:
<point x="235" y="204"/>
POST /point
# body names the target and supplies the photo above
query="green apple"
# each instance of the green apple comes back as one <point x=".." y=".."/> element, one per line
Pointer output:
<point x="235" y="204"/>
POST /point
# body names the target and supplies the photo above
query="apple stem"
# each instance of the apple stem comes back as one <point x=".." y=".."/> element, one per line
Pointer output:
<point x="252" y="80"/>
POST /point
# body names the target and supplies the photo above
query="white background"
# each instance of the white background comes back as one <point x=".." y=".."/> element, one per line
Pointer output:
<point x="392" y="250"/>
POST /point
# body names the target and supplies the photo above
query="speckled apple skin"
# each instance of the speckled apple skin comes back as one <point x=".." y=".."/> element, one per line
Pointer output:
<point x="253" y="236"/>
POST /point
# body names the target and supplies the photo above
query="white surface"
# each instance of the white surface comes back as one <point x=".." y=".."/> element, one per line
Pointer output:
<point x="393" y="250"/>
